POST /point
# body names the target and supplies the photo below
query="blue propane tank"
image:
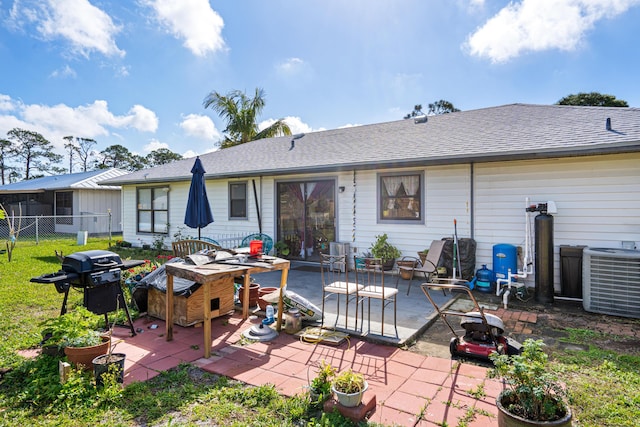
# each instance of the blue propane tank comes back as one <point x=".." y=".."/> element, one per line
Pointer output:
<point x="484" y="279"/>
<point x="505" y="258"/>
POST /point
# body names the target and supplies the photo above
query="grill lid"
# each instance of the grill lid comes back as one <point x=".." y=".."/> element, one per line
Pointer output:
<point x="87" y="261"/>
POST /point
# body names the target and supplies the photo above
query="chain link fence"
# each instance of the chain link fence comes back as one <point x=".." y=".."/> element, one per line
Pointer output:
<point x="60" y="226"/>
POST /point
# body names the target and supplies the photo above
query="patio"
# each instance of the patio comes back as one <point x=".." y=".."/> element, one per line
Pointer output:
<point x="404" y="384"/>
<point x="414" y="311"/>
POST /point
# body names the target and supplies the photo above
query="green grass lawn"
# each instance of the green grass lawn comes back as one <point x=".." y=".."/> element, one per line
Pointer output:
<point x="604" y="385"/>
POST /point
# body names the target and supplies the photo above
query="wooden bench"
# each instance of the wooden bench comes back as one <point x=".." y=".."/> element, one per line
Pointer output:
<point x="182" y="248"/>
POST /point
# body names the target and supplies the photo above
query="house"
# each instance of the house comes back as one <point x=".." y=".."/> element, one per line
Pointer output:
<point x="72" y="199"/>
<point x="411" y="179"/>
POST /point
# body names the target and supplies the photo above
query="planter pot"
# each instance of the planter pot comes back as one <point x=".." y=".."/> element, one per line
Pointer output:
<point x="103" y="364"/>
<point x="387" y="264"/>
<point x="253" y="294"/>
<point x="350" y="400"/>
<point x="423" y="256"/>
<point x="83" y="356"/>
<point x="261" y="292"/>
<point x="507" y="419"/>
<point x="406" y="274"/>
<point x="52" y="350"/>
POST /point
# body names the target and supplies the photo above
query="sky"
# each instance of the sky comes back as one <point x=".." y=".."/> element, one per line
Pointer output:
<point x="136" y="72"/>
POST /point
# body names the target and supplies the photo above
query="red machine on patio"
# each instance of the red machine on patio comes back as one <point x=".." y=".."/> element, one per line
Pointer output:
<point x="484" y="332"/>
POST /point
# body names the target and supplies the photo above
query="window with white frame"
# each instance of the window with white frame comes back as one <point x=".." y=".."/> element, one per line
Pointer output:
<point x="153" y="210"/>
<point x="238" y="200"/>
<point x="400" y="197"/>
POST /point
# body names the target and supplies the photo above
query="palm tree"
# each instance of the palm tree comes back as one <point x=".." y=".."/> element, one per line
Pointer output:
<point x="240" y="112"/>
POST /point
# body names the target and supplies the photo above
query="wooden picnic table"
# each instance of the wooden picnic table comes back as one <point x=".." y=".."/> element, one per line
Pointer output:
<point x="206" y="274"/>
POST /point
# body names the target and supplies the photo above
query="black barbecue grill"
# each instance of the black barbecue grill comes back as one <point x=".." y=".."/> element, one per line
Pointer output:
<point x="97" y="273"/>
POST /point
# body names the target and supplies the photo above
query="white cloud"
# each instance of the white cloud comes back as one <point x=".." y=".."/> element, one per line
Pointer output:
<point x="349" y="125"/>
<point x="140" y="118"/>
<point x="64" y="72"/>
<point x="200" y="127"/>
<point x="295" y="124"/>
<point x="88" y="121"/>
<point x="194" y="21"/>
<point x="6" y="104"/>
<point x="87" y="28"/>
<point x="153" y="145"/>
<point x="291" y="66"/>
<point x="537" y="25"/>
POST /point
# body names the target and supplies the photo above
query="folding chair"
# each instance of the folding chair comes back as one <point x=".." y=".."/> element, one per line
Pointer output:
<point x="430" y="266"/>
<point x="334" y="272"/>
<point x="370" y="275"/>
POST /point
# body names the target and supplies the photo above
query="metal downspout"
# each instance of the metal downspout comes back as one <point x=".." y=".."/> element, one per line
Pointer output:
<point x="472" y="200"/>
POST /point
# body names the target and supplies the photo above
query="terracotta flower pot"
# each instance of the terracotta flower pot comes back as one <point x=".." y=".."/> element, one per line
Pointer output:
<point x="264" y="291"/>
<point x="406" y="274"/>
<point x="253" y="294"/>
<point x="83" y="356"/>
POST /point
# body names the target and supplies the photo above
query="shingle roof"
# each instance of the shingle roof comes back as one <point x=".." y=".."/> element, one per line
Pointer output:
<point x="84" y="180"/>
<point x="516" y="131"/>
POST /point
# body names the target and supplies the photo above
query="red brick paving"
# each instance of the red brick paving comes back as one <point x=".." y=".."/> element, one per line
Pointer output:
<point x="409" y="388"/>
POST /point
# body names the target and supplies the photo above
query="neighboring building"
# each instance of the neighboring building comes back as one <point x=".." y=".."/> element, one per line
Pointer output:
<point x="65" y="197"/>
<point x="411" y="179"/>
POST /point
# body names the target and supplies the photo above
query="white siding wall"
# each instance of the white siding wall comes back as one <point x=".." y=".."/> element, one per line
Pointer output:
<point x="101" y="201"/>
<point x="447" y="196"/>
<point x="598" y="200"/>
<point x="86" y="202"/>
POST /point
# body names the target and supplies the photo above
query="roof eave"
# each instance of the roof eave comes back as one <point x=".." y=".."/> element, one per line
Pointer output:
<point x="596" y="149"/>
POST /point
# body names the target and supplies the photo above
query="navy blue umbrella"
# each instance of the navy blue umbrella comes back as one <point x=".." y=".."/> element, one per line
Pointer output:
<point x="198" y="212"/>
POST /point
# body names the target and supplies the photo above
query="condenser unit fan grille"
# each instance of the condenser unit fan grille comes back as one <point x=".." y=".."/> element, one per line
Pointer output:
<point x="611" y="280"/>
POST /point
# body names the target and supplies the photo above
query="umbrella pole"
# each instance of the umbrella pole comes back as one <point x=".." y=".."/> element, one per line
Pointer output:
<point x="255" y="198"/>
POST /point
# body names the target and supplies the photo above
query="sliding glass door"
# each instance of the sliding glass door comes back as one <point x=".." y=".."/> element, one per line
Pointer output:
<point x="306" y="217"/>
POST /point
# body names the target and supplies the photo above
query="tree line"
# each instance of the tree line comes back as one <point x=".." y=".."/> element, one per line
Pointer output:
<point x="25" y="154"/>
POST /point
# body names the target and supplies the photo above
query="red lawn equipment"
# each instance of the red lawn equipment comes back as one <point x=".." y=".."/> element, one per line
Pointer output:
<point x="484" y="332"/>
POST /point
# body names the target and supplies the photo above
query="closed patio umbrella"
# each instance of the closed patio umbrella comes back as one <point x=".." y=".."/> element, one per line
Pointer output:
<point x="198" y="213"/>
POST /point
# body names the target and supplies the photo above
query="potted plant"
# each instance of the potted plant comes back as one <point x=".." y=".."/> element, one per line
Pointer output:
<point x="423" y="255"/>
<point x="348" y="387"/>
<point x="381" y="248"/>
<point x="76" y="333"/>
<point x="109" y="363"/>
<point x="408" y="263"/>
<point x="320" y="386"/>
<point x="282" y="249"/>
<point x="533" y="395"/>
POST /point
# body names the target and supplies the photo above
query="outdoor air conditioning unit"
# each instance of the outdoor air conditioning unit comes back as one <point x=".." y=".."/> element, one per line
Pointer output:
<point x="611" y="281"/>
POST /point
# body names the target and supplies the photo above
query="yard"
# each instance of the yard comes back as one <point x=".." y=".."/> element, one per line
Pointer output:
<point x="601" y="369"/>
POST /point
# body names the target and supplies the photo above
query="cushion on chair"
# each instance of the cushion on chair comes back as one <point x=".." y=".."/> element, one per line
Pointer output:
<point x="377" y="292"/>
<point x="343" y="287"/>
